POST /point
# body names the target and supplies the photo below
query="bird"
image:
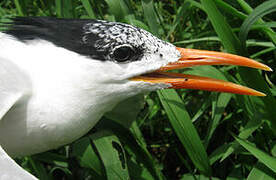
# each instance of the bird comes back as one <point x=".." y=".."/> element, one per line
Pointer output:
<point x="59" y="76"/>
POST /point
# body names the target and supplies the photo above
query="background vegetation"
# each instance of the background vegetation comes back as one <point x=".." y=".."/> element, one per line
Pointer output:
<point x="171" y="134"/>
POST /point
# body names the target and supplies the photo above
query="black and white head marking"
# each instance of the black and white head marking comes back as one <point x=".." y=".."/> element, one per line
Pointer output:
<point x="98" y="39"/>
<point x="113" y="35"/>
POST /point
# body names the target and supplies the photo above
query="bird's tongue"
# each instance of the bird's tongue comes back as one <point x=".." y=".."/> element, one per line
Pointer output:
<point x="192" y="57"/>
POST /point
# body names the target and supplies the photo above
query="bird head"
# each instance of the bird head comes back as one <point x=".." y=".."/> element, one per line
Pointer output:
<point x="127" y="51"/>
<point x="136" y="57"/>
<point x="129" y="57"/>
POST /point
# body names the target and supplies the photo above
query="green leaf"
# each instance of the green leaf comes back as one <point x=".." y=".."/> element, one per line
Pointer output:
<point x="205" y="104"/>
<point x="196" y="177"/>
<point x="112" y="155"/>
<point x="88" y="7"/>
<point x="39" y="169"/>
<point x="182" y="14"/>
<point x="268" y="31"/>
<point x="195" y="3"/>
<point x="59" y="8"/>
<point x="262" y="10"/>
<point x="267" y="50"/>
<point x="230" y="9"/>
<point x="197" y="40"/>
<point x="249" y="76"/>
<point x="118" y="8"/>
<point x="219" y="106"/>
<point x="261" y="172"/>
<point x="220" y="102"/>
<point x="65" y="8"/>
<point x="207" y="71"/>
<point x="249" y="128"/>
<point x="151" y="16"/>
<point x="134" y="145"/>
<point x="222" y="28"/>
<point x="64" y="170"/>
<point x="83" y="151"/>
<point x="20" y="6"/>
<point x="123" y="116"/>
<point x="263" y="157"/>
<point x="52" y="158"/>
<point x="184" y="129"/>
<point x="218" y="153"/>
<point x="250" y="42"/>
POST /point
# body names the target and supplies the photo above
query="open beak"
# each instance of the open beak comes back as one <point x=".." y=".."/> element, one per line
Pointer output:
<point x="192" y="57"/>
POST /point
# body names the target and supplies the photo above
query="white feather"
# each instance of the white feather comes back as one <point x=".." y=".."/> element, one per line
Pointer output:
<point x="9" y="170"/>
<point x="66" y="95"/>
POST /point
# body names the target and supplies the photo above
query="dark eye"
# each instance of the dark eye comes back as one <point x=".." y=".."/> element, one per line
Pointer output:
<point x="123" y="54"/>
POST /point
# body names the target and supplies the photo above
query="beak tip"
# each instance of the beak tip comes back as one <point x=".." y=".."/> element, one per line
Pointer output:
<point x="265" y="68"/>
<point x="260" y="94"/>
<point x="269" y="69"/>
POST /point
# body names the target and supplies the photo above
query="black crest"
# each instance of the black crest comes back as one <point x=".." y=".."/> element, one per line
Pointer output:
<point x="93" y="38"/>
<point x="66" y="33"/>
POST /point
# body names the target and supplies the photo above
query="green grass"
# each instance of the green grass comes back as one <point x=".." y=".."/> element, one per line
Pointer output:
<point x="180" y="134"/>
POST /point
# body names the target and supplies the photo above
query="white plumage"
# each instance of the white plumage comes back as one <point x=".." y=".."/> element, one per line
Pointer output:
<point x="55" y="84"/>
<point x="59" y="95"/>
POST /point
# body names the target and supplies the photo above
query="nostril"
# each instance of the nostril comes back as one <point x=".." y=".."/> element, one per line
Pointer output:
<point x="161" y="55"/>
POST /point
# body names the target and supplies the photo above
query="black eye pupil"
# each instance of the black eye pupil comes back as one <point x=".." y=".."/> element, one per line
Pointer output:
<point x="122" y="54"/>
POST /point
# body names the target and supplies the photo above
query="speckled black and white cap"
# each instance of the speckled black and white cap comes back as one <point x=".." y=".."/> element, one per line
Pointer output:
<point x="97" y="39"/>
<point x="113" y="35"/>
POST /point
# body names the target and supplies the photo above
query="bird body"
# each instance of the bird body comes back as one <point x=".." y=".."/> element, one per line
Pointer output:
<point x="61" y="94"/>
<point x="49" y="99"/>
<point x="59" y="76"/>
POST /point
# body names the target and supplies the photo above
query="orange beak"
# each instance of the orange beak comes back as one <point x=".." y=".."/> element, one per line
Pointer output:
<point x="192" y="57"/>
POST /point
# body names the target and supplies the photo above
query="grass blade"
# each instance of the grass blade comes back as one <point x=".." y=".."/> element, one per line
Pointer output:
<point x="118" y="8"/>
<point x="263" y="157"/>
<point x="181" y="15"/>
<point x="87" y="157"/>
<point x="151" y="16"/>
<point x="249" y="128"/>
<point x="232" y="44"/>
<point x="68" y="9"/>
<point x="39" y="169"/>
<point x="261" y="172"/>
<point x="88" y="7"/>
<point x="142" y="155"/>
<point x="196" y="177"/>
<point x="222" y="28"/>
<point x="206" y="103"/>
<point x="186" y="132"/>
<point x="218" y="153"/>
<point x="230" y="9"/>
<point x="59" y="8"/>
<point x="20" y="6"/>
<point x="64" y="8"/>
<point x="111" y="154"/>
<point x="268" y="31"/>
<point x="262" y="10"/>
<point x="220" y="104"/>
<point x="195" y="3"/>
<point x="52" y="158"/>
